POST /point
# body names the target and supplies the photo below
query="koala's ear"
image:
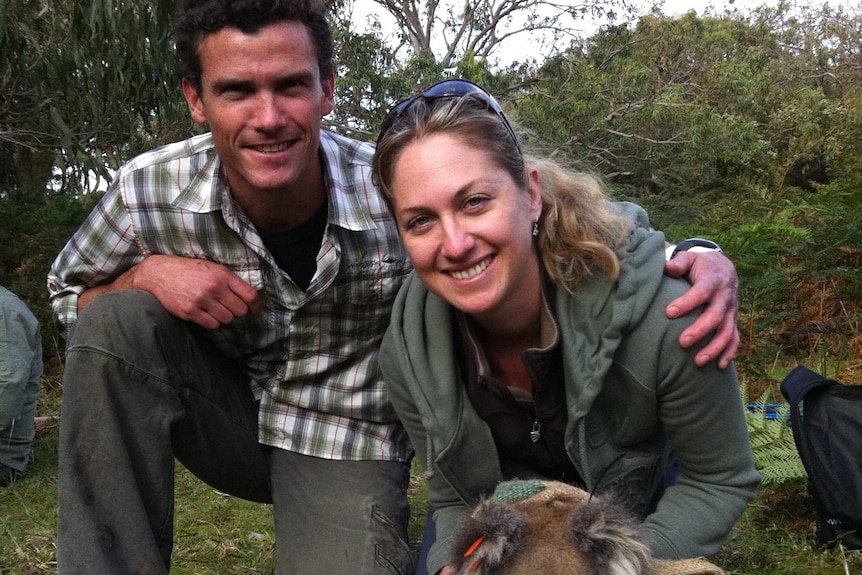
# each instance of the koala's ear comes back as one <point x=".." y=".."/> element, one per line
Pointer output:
<point x="486" y="541"/>
<point x="610" y="539"/>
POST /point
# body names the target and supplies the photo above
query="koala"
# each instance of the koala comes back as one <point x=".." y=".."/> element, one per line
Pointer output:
<point x="552" y="528"/>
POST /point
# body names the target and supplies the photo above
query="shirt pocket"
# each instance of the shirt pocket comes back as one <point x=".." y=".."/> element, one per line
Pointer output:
<point x="362" y="298"/>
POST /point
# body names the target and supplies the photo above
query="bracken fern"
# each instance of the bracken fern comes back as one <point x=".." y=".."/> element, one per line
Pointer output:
<point x="772" y="444"/>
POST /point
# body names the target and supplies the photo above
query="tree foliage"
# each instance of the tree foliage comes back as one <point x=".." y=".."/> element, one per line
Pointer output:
<point x="743" y="128"/>
<point x="369" y="78"/>
<point x="448" y="31"/>
<point x="697" y="103"/>
<point x="83" y="86"/>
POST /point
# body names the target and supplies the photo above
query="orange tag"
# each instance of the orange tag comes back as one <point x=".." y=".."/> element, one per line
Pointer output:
<point x="472" y="548"/>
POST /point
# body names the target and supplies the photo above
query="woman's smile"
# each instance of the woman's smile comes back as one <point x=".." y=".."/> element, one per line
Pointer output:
<point x="472" y="271"/>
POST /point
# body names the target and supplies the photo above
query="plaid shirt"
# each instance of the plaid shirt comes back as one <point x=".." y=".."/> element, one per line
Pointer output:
<point x="311" y="357"/>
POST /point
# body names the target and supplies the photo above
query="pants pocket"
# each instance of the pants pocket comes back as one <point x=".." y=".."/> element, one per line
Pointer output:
<point x="391" y="551"/>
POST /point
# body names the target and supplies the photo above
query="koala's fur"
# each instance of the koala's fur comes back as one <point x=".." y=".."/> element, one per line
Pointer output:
<point x="560" y="530"/>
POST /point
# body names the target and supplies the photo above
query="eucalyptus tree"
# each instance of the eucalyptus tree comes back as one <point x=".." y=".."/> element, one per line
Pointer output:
<point x="369" y="77"/>
<point x="84" y="84"/>
<point x="450" y="30"/>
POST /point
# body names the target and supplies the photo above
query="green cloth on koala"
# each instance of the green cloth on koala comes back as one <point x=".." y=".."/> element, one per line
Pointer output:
<point x="517" y="490"/>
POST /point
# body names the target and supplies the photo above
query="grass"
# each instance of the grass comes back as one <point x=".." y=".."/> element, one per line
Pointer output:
<point x="214" y="533"/>
<point x="28" y="513"/>
<point x="219" y="534"/>
<point x="774" y="537"/>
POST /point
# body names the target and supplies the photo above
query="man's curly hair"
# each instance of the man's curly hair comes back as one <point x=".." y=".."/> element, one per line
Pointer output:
<point x="196" y="18"/>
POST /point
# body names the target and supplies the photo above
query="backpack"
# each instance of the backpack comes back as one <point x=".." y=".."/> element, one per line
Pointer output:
<point x="828" y="435"/>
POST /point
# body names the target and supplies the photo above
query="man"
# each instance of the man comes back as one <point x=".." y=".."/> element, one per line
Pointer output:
<point x="244" y="281"/>
<point x="20" y="370"/>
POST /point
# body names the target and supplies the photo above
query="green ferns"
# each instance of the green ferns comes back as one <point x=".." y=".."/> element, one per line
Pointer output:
<point x="772" y="443"/>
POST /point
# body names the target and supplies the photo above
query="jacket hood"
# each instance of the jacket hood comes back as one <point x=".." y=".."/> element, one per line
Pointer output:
<point x="596" y="316"/>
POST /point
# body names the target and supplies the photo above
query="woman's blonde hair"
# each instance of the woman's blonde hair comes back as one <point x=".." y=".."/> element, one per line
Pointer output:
<point x="580" y="231"/>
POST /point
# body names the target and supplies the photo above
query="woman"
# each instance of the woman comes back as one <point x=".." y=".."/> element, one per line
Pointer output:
<point x="533" y="342"/>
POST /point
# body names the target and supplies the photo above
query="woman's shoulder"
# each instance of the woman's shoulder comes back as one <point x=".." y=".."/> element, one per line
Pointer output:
<point x="417" y="313"/>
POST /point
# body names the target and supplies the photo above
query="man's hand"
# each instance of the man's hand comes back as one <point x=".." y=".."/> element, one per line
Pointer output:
<point x="714" y="283"/>
<point x="195" y="290"/>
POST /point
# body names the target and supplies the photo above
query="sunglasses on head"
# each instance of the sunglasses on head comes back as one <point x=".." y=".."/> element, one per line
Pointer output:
<point x="448" y="89"/>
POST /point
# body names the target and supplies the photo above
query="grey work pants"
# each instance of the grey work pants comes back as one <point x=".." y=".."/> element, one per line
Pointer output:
<point x="142" y="387"/>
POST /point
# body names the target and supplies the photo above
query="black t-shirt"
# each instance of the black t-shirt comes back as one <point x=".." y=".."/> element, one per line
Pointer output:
<point x="295" y="251"/>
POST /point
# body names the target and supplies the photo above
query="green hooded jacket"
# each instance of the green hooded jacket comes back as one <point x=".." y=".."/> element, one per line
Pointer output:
<point x="631" y="390"/>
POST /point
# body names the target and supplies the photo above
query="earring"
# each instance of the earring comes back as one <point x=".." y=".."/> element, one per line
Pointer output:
<point x="535" y="229"/>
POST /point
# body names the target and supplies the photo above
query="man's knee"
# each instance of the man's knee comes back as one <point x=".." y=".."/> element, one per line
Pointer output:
<point x="132" y="328"/>
<point x="114" y="316"/>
